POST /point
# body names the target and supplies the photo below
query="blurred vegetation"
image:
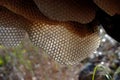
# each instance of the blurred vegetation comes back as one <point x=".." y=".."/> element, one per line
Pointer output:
<point x="104" y="70"/>
<point x="27" y="62"/>
<point x="104" y="64"/>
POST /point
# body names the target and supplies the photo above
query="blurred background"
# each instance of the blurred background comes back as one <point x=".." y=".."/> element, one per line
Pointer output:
<point x="27" y="62"/>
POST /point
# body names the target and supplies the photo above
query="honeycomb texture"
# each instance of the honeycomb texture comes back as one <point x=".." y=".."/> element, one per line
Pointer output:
<point x="62" y="44"/>
<point x="64" y="10"/>
<point x="25" y="8"/>
<point x="65" y="41"/>
<point x="112" y="7"/>
<point x="11" y="32"/>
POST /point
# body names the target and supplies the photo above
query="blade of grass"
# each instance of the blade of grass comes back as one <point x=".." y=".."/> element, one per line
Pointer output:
<point x="107" y="75"/>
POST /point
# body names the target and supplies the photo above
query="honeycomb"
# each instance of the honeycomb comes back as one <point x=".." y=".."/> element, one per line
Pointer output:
<point x="68" y="42"/>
